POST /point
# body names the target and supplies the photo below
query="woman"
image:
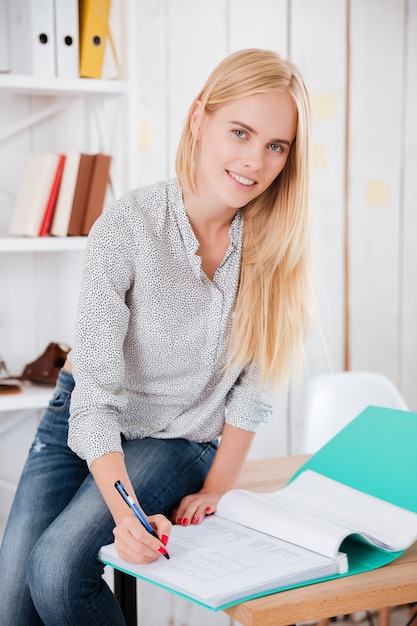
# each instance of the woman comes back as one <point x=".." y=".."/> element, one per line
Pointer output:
<point x="196" y="297"/>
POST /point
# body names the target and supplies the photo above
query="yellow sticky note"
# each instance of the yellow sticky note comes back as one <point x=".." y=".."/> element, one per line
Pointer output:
<point x="319" y="156"/>
<point x="376" y="192"/>
<point x="322" y="106"/>
<point x="144" y="137"/>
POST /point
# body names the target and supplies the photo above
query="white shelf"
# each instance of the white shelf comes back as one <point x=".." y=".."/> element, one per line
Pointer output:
<point x="65" y="86"/>
<point x="32" y="397"/>
<point x="42" y="244"/>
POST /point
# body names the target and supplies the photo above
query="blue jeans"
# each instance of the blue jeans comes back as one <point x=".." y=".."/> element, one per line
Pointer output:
<point x="49" y="571"/>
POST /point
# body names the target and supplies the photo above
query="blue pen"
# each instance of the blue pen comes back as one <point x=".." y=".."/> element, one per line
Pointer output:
<point x="136" y="510"/>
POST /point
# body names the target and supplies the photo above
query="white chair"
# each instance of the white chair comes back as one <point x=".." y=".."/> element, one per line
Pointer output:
<point x="332" y="401"/>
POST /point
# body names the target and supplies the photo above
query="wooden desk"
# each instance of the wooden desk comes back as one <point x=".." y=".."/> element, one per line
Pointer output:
<point x="390" y="585"/>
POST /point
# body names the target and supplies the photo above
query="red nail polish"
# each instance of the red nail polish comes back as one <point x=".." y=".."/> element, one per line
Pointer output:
<point x="208" y="509"/>
<point x="164" y="539"/>
<point x="162" y="550"/>
<point x="179" y="520"/>
<point x="185" y="521"/>
<point x="195" y="520"/>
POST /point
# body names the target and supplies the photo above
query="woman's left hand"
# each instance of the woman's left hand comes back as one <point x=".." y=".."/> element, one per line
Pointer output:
<point x="193" y="508"/>
<point x="222" y="476"/>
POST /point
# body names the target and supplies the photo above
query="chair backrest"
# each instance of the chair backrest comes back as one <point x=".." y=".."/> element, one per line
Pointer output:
<point x="333" y="400"/>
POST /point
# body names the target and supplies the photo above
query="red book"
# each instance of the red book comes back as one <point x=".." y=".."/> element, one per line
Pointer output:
<point x="53" y="195"/>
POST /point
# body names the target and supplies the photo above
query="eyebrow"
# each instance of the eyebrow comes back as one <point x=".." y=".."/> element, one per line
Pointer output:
<point x="252" y="130"/>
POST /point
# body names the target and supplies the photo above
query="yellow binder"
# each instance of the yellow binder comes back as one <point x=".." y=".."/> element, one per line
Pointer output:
<point x="94" y="31"/>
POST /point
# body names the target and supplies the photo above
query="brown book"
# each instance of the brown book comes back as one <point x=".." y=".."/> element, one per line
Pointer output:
<point x="98" y="187"/>
<point x="81" y="194"/>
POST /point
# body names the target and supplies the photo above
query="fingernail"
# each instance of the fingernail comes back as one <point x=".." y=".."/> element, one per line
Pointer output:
<point x="185" y="521"/>
<point x="164" y="539"/>
<point x="162" y="550"/>
<point x="208" y="509"/>
<point x="196" y="520"/>
<point x="179" y="520"/>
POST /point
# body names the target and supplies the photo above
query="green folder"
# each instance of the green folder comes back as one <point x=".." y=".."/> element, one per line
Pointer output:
<point x="375" y="453"/>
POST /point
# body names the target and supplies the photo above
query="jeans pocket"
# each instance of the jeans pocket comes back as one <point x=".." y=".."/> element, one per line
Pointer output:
<point x="60" y="400"/>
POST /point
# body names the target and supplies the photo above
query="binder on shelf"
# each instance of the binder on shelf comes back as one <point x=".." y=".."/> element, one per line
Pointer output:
<point x="66" y="38"/>
<point x="61" y="219"/>
<point x="94" y="30"/>
<point x="53" y="196"/>
<point x="82" y="190"/>
<point x="98" y="186"/>
<point x="32" y="37"/>
<point x="34" y="190"/>
<point x="4" y="37"/>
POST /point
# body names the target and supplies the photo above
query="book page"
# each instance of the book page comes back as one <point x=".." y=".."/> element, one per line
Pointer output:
<point x="383" y="524"/>
<point x="319" y="513"/>
<point x="276" y="518"/>
<point x="217" y="562"/>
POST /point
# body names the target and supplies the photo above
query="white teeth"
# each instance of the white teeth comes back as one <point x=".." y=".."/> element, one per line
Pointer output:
<point x="240" y="179"/>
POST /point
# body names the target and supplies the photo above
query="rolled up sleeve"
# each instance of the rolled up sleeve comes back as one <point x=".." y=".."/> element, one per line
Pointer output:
<point x="248" y="403"/>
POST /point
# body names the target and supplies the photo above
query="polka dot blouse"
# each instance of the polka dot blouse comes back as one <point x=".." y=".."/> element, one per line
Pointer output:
<point x="152" y="331"/>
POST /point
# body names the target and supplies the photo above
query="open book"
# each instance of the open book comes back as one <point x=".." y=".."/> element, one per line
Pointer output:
<point x="257" y="544"/>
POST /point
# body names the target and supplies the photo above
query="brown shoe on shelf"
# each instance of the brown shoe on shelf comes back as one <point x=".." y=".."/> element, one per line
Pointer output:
<point x="45" y="369"/>
<point x="7" y="387"/>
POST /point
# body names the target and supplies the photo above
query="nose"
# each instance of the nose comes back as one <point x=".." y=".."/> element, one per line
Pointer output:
<point x="253" y="156"/>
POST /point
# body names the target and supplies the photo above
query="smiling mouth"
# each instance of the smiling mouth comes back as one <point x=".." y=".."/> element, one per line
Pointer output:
<point x="241" y="179"/>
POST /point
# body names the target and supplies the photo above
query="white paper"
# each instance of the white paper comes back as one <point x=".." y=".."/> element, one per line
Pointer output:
<point x="217" y="562"/>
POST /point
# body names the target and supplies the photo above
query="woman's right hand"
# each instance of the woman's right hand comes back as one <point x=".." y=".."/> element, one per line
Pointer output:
<point x="135" y="544"/>
<point x="132" y="541"/>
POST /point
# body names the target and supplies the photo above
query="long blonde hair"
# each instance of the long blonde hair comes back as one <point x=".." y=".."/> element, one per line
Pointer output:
<point x="275" y="300"/>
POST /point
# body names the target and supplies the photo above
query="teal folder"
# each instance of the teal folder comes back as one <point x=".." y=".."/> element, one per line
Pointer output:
<point x="376" y="453"/>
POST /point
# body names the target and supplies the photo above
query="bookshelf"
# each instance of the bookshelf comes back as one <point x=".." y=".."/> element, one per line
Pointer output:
<point x="40" y="276"/>
<point x="25" y="84"/>
<point x="31" y="397"/>
<point x="42" y="244"/>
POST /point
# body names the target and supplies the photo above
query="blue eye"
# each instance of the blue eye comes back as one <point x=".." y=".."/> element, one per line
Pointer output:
<point x="240" y="133"/>
<point x="275" y="147"/>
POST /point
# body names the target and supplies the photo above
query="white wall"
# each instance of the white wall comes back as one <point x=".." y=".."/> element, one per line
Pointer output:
<point x="359" y="58"/>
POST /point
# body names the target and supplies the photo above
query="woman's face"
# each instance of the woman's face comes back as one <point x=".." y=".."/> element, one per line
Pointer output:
<point x="243" y="146"/>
